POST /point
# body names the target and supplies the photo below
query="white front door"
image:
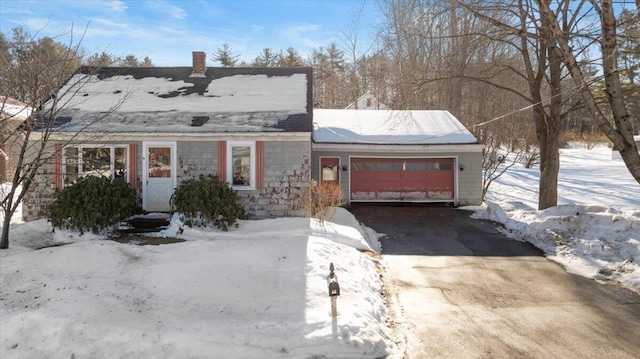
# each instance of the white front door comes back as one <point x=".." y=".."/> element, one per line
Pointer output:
<point x="159" y="175"/>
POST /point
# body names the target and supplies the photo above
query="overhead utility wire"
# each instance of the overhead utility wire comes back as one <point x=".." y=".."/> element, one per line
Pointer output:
<point x="573" y="88"/>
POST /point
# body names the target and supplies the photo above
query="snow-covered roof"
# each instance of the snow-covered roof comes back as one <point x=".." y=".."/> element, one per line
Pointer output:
<point x="389" y="127"/>
<point x="171" y="100"/>
<point x="14" y="109"/>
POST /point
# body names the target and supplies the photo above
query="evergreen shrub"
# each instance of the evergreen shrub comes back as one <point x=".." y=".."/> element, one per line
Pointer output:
<point x="206" y="201"/>
<point x="93" y="204"/>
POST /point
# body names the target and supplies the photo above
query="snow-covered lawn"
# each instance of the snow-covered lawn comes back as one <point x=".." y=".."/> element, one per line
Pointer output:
<point x="258" y="291"/>
<point x="595" y="229"/>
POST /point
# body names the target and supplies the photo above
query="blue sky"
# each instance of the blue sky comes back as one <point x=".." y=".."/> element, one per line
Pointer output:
<point x="167" y="31"/>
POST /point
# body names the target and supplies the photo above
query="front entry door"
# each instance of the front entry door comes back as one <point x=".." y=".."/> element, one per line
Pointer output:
<point x="159" y="180"/>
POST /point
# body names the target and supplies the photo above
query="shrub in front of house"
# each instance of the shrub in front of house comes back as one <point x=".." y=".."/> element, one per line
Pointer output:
<point x="325" y="198"/>
<point x="93" y="204"/>
<point x="208" y="201"/>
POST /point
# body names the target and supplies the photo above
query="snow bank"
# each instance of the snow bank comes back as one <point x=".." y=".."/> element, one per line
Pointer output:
<point x="257" y="291"/>
<point x="595" y="229"/>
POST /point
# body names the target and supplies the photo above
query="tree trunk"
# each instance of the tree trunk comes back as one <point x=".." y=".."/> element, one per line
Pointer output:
<point x="622" y="134"/>
<point x="549" y="123"/>
<point x="4" y="241"/>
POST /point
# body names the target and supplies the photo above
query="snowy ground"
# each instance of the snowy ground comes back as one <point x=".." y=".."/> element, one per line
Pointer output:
<point x="258" y="291"/>
<point x="595" y="229"/>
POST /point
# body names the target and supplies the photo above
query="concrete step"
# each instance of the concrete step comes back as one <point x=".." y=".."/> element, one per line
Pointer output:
<point x="146" y="223"/>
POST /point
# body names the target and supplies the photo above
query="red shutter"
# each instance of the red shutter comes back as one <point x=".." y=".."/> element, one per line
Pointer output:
<point x="222" y="161"/>
<point x="57" y="165"/>
<point x="259" y="165"/>
<point x="133" y="165"/>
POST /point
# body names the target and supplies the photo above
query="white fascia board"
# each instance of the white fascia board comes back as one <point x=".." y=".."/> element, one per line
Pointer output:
<point x="139" y="136"/>
<point x="451" y="148"/>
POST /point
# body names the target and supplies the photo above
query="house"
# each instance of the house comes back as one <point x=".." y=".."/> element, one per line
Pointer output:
<point x="397" y="156"/>
<point x="12" y="114"/>
<point x="157" y="126"/>
<point x="367" y="102"/>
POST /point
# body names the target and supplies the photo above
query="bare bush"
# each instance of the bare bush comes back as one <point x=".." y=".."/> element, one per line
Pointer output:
<point x="324" y="200"/>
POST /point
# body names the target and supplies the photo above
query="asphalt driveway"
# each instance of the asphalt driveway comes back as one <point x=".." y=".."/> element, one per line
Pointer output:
<point x="467" y="291"/>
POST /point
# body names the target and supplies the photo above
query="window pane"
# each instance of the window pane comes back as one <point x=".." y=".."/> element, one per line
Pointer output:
<point x="71" y="165"/>
<point x="159" y="162"/>
<point x="415" y="166"/>
<point x="389" y="166"/>
<point x="96" y="162"/>
<point x="241" y="165"/>
<point x="329" y="173"/>
<point x="446" y="166"/>
<point x="363" y="166"/>
<point x="120" y="162"/>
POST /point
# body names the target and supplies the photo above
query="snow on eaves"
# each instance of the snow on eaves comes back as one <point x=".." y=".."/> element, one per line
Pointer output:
<point x="15" y="110"/>
<point x="389" y="127"/>
<point x="171" y="122"/>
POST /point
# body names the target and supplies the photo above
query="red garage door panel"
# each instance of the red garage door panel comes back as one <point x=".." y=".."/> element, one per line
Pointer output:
<point x="402" y="179"/>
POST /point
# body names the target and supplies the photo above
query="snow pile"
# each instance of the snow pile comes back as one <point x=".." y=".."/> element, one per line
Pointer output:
<point x="595" y="229"/>
<point x="258" y="291"/>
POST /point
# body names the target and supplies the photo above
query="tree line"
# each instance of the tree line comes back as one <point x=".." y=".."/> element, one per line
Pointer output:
<point x="516" y="73"/>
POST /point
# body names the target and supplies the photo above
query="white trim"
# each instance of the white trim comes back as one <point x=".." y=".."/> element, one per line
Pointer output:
<point x="80" y="166"/>
<point x="198" y="136"/>
<point x="455" y="179"/>
<point x="320" y="168"/>
<point x="452" y="148"/>
<point x="252" y="164"/>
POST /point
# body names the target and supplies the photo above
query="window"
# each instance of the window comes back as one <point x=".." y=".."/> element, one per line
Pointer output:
<point x="329" y="173"/>
<point x="95" y="160"/>
<point x="159" y="162"/>
<point x="71" y="164"/>
<point x="415" y="166"/>
<point x="389" y="166"/>
<point x="241" y="165"/>
<point x="363" y="166"/>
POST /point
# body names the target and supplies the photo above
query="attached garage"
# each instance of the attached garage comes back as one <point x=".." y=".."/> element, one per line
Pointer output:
<point x="397" y="156"/>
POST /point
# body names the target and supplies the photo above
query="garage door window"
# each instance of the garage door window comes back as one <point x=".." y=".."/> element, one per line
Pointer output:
<point x="389" y="166"/>
<point x="435" y="166"/>
<point x="363" y="166"/>
<point x="415" y="166"/>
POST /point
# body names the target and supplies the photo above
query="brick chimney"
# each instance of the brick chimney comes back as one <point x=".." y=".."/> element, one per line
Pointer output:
<point x="199" y="63"/>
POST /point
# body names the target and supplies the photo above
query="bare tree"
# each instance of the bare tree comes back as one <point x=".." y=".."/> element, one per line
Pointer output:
<point x="621" y="131"/>
<point x="35" y="75"/>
